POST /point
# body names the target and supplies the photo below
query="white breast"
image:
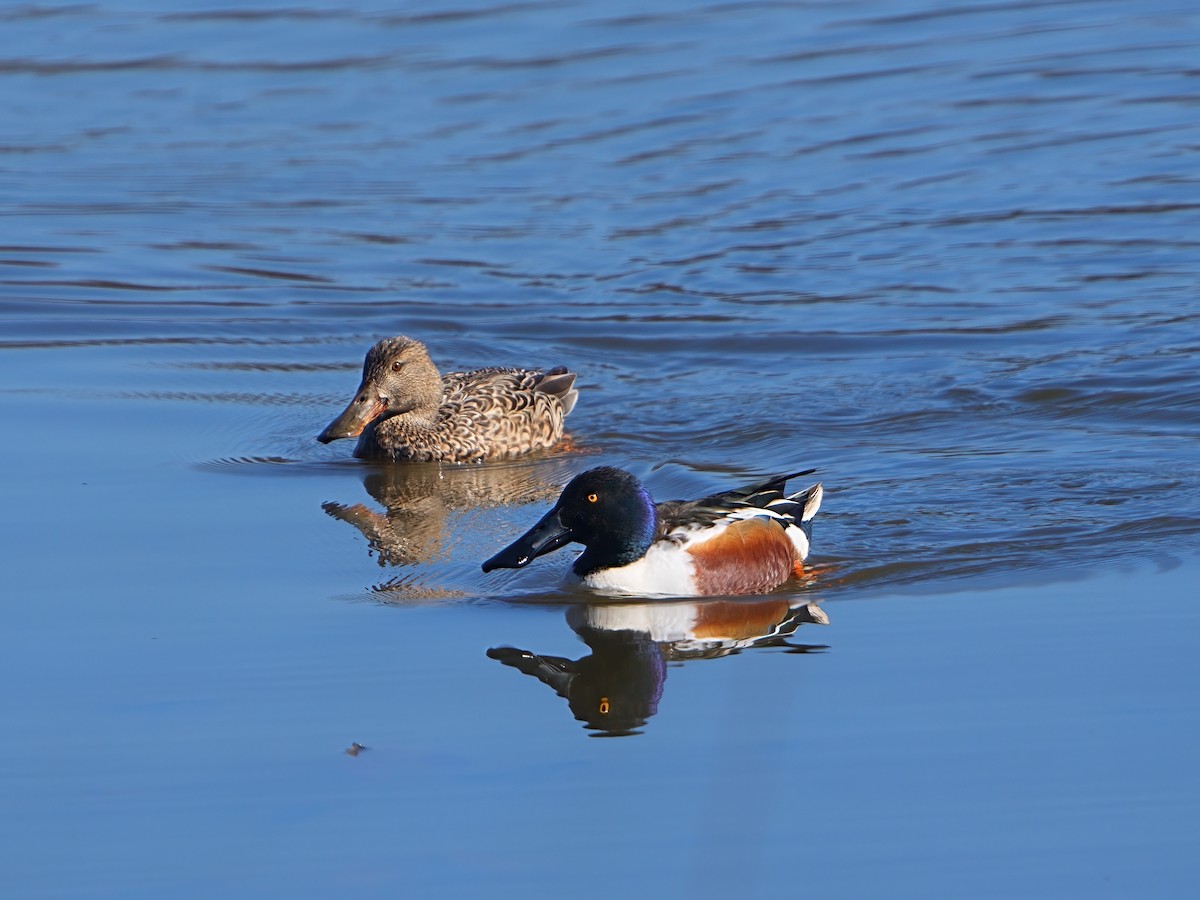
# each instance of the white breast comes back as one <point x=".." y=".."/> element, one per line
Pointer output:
<point x="666" y="570"/>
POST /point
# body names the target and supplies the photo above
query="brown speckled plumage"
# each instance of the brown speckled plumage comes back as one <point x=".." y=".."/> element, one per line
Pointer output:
<point x="405" y="409"/>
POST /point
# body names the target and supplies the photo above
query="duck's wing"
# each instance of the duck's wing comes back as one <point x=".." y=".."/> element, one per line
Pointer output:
<point x="679" y="518"/>
<point x="510" y="389"/>
<point x="500" y="412"/>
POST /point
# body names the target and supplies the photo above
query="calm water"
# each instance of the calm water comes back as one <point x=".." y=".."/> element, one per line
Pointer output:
<point x="947" y="254"/>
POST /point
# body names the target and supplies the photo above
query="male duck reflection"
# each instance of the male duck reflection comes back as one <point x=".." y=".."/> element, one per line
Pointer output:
<point x="404" y="409"/>
<point x="617" y="687"/>
<point x="746" y="541"/>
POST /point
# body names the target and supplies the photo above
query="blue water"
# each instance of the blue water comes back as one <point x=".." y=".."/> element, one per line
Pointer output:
<point x="945" y="254"/>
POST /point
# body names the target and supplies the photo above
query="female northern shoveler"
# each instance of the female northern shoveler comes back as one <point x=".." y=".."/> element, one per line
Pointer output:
<point x="745" y="541"/>
<point x="405" y="410"/>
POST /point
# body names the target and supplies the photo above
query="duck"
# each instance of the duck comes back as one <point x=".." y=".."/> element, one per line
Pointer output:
<point x="744" y="541"/>
<point x="406" y="410"/>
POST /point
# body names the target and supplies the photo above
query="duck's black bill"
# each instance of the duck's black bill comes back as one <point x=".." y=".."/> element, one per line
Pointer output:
<point x="363" y="410"/>
<point x="547" y="535"/>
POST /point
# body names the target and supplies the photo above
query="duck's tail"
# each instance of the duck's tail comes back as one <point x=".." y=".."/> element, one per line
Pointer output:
<point x="809" y="501"/>
<point x="772" y="494"/>
<point x="794" y="511"/>
<point x="559" y="382"/>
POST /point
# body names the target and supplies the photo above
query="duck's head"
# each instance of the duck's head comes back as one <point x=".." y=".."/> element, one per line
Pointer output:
<point x="398" y="377"/>
<point x="606" y="509"/>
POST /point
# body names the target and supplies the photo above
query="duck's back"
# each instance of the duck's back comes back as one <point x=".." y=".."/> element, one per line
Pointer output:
<point x="490" y="413"/>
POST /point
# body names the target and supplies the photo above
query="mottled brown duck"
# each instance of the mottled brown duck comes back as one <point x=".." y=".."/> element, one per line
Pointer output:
<point x="405" y="409"/>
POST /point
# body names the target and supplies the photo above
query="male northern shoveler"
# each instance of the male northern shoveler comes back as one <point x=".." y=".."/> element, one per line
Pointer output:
<point x="745" y="541"/>
<point x="406" y="410"/>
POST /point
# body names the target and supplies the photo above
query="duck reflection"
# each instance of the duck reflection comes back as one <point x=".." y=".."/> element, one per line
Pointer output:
<point x="419" y="500"/>
<point x="616" y="688"/>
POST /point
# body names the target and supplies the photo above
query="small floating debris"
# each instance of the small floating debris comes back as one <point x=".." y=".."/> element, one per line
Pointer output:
<point x="355" y="749"/>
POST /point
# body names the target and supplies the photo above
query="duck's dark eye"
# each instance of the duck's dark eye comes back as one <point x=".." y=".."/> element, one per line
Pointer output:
<point x="397" y="366"/>
<point x="592" y="498"/>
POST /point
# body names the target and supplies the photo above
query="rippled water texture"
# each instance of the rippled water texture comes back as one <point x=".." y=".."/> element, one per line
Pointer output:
<point x="946" y="254"/>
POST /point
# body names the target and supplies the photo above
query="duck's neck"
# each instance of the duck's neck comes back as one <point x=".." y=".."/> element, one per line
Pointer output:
<point x="396" y="435"/>
<point x="420" y="419"/>
<point x="620" y="546"/>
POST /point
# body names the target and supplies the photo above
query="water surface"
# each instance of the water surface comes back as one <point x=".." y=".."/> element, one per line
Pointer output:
<point x="946" y="254"/>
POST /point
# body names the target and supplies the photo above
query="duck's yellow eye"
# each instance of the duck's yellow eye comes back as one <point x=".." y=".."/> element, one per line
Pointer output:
<point x="604" y="707"/>
<point x="592" y="498"/>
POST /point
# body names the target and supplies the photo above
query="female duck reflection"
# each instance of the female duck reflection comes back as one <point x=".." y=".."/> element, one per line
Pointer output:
<point x="616" y="688"/>
<point x="420" y="498"/>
